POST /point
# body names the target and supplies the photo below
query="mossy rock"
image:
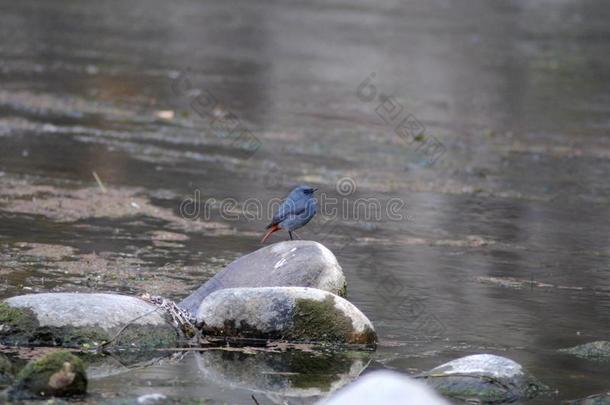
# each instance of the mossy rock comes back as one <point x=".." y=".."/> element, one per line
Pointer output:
<point x="84" y="321"/>
<point x="294" y="314"/>
<point x="15" y="322"/>
<point x="484" y="377"/>
<point x="59" y="374"/>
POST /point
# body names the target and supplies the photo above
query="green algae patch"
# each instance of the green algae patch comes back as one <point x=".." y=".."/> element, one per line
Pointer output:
<point x="16" y="325"/>
<point x="322" y="321"/>
<point x="58" y="374"/>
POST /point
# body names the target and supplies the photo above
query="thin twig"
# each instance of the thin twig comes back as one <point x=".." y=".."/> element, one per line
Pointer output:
<point x="99" y="182"/>
<point x="125" y="327"/>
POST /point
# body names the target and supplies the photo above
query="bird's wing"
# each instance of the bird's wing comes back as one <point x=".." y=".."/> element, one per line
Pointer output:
<point x="288" y="208"/>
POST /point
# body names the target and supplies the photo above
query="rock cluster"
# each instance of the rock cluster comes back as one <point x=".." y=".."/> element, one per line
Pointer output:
<point x="287" y="293"/>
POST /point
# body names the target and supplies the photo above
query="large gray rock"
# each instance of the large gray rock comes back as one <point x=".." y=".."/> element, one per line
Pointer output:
<point x="77" y="320"/>
<point x="295" y="314"/>
<point x="486" y="377"/>
<point x="281" y="376"/>
<point x="599" y="351"/>
<point x="385" y="387"/>
<point x="295" y="263"/>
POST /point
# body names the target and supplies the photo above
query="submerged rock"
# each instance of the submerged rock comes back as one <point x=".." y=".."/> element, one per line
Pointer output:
<point x="385" y="387"/>
<point x="598" y="399"/>
<point x="59" y="374"/>
<point x="485" y="377"/>
<point x="83" y="320"/>
<point x="292" y="374"/>
<point x="296" y="314"/>
<point x="294" y="263"/>
<point x="599" y="350"/>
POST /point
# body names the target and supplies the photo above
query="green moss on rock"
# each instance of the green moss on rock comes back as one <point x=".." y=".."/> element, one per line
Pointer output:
<point x="322" y="321"/>
<point x="58" y="374"/>
<point x="16" y="324"/>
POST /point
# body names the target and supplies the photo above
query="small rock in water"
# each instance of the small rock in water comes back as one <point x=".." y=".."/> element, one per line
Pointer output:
<point x="296" y="314"/>
<point x="599" y="350"/>
<point x="295" y="263"/>
<point x="83" y="320"/>
<point x="59" y="374"/>
<point x="486" y="377"/>
<point x="385" y="387"/>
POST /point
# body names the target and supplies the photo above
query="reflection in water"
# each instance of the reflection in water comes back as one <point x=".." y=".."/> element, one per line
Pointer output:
<point x="280" y="375"/>
<point x="293" y="377"/>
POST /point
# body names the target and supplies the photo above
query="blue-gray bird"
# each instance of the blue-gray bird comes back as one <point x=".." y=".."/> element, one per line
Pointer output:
<point x="296" y="211"/>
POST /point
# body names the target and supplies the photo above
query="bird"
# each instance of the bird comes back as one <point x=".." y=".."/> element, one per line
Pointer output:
<point x="297" y="209"/>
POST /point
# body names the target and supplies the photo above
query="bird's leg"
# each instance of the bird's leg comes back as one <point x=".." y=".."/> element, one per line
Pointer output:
<point x="297" y="235"/>
<point x="290" y="233"/>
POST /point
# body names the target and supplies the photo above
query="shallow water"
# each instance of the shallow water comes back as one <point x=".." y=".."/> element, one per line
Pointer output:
<point x="501" y="244"/>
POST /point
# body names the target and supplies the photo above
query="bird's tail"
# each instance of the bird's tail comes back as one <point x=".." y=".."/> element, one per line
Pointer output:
<point x="271" y="229"/>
